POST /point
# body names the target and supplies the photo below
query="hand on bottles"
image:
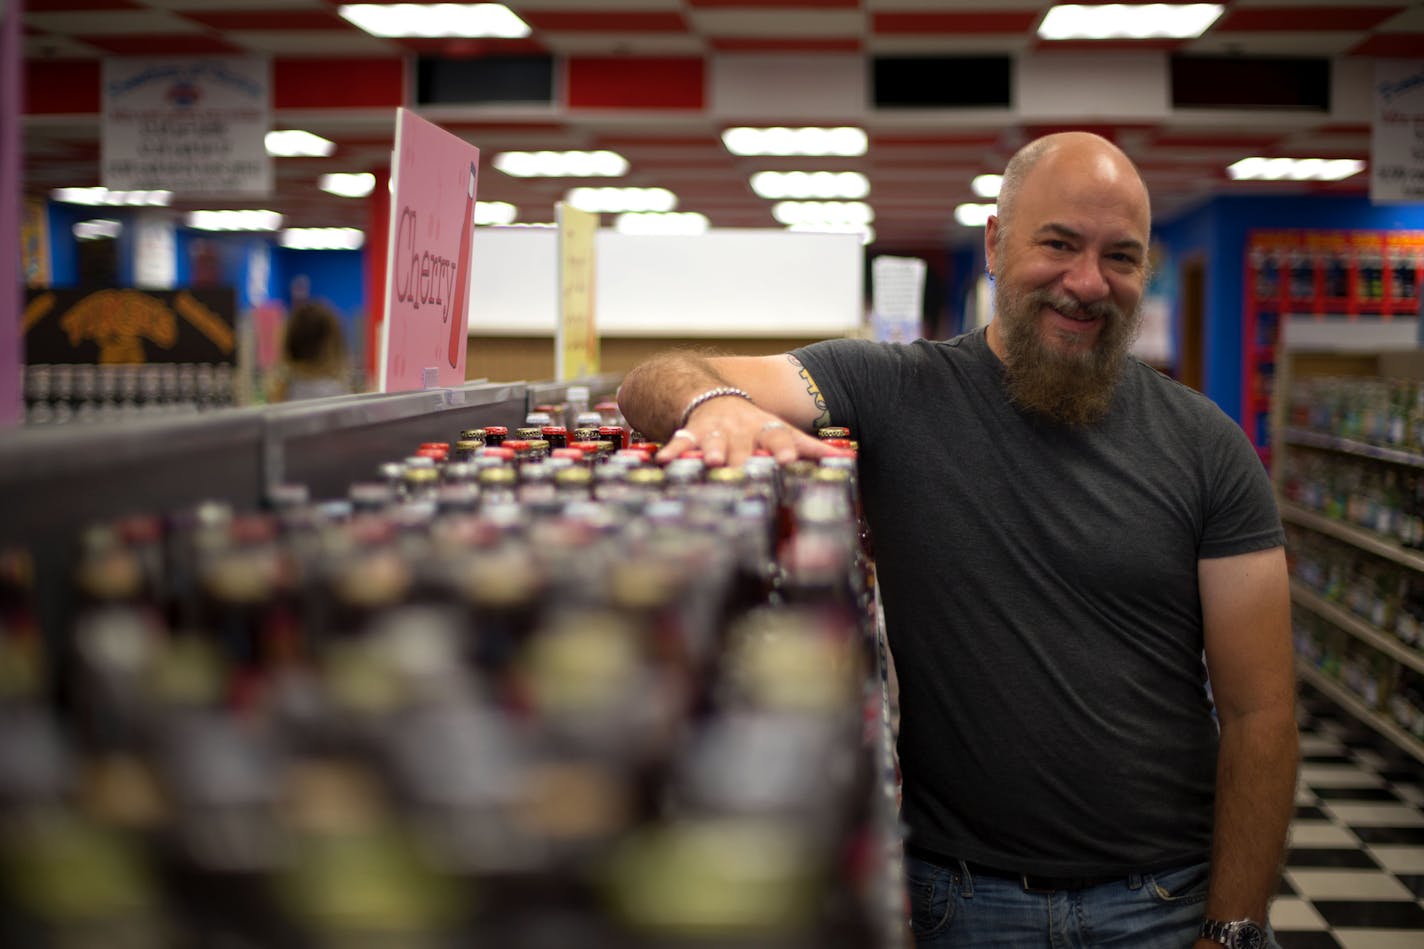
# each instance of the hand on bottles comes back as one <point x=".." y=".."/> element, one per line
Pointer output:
<point x="727" y="431"/>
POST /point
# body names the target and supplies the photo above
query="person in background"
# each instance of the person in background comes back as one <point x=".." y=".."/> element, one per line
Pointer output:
<point x="314" y="362"/>
<point x="1069" y="545"/>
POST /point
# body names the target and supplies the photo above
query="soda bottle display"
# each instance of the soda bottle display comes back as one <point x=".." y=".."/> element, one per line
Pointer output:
<point x="480" y="698"/>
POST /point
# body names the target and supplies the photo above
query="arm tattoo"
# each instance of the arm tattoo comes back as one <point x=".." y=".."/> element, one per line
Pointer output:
<point x="814" y="391"/>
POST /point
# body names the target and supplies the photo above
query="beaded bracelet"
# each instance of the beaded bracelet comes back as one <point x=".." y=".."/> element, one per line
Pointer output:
<point x="708" y="396"/>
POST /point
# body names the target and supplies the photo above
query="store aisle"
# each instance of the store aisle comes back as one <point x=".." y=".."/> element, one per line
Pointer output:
<point x="1355" y="871"/>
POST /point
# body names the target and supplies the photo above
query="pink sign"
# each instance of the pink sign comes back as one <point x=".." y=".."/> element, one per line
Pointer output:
<point x="434" y="176"/>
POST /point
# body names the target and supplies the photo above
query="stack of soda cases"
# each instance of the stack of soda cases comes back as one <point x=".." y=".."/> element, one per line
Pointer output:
<point x="499" y="694"/>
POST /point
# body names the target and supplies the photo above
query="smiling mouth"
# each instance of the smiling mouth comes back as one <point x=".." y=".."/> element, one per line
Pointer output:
<point x="1077" y="317"/>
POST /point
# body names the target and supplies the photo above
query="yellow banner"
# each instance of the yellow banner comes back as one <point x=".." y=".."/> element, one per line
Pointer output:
<point x="576" y="349"/>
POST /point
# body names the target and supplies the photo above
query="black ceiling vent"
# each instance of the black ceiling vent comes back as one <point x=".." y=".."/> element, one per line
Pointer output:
<point x="483" y="80"/>
<point x="1300" y="84"/>
<point x="941" y="82"/>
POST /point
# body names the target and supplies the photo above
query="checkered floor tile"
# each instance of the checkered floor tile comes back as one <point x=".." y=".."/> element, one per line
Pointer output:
<point x="1354" y="876"/>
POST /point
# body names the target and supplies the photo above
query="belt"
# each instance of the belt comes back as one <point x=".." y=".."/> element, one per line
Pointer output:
<point x="1034" y="883"/>
<point x="1031" y="882"/>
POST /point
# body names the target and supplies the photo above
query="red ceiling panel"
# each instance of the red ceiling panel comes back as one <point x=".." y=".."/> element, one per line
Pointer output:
<point x="1392" y="46"/>
<point x="337" y="83"/>
<point x="82" y="6"/>
<point x="1303" y="19"/>
<point x="635" y="83"/>
<point x="775" y="4"/>
<point x="268" y="20"/>
<point x="179" y="44"/>
<point x="67" y="87"/>
<point x="628" y="22"/>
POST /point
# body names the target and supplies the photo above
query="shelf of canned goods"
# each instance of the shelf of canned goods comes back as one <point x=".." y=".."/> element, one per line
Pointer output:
<point x="350" y="672"/>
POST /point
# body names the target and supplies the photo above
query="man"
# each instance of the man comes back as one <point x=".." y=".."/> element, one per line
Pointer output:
<point x="1060" y="534"/>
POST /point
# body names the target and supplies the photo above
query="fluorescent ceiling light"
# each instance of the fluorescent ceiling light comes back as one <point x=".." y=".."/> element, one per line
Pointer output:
<point x="97" y="229"/>
<point x="348" y="184"/>
<point x="495" y="212"/>
<point x="987" y="186"/>
<point x="473" y="20"/>
<point x="822" y="212"/>
<point x="235" y="220"/>
<point x="810" y="184"/>
<point x="866" y="232"/>
<point x="1294" y="169"/>
<point x="1132" y="21"/>
<point x="668" y="222"/>
<point x="842" y="140"/>
<point x="531" y="224"/>
<point x="616" y="200"/>
<point x="295" y="143"/>
<point x="546" y="164"/>
<point x="322" y="238"/>
<point x="974" y="215"/>
<point x="105" y="197"/>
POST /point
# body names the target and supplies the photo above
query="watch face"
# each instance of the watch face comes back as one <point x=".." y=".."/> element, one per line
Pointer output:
<point x="1248" y="936"/>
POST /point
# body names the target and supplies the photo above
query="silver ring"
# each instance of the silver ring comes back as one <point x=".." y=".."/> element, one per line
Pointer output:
<point x="772" y="425"/>
<point x="684" y="433"/>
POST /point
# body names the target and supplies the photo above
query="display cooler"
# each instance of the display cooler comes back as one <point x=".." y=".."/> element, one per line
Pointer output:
<point x="303" y="675"/>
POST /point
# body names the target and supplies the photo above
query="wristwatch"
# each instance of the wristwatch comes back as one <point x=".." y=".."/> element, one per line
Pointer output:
<point x="1236" y="934"/>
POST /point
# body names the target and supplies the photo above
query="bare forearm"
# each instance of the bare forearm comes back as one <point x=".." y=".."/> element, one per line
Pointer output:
<point x="654" y="394"/>
<point x="1255" y="799"/>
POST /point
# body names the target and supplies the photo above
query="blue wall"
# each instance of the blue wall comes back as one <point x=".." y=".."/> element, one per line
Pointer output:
<point x="253" y="264"/>
<point x="1218" y="230"/>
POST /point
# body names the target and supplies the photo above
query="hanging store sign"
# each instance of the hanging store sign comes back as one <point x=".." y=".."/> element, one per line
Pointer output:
<point x="1397" y="132"/>
<point x="189" y="125"/>
<point x="434" y="176"/>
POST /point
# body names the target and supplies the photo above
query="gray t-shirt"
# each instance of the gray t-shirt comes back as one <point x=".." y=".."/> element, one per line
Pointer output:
<point x="1040" y="594"/>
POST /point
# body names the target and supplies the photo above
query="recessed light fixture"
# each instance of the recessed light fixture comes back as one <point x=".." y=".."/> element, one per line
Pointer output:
<point x="616" y="200"/>
<point x="548" y="164"/>
<point x="987" y="186"/>
<point x="348" y="184"/>
<point x="823" y="212"/>
<point x="1128" y="21"/>
<point x="97" y="229"/>
<point x="778" y="140"/>
<point x="974" y="215"/>
<point x="495" y="212"/>
<point x="1294" y="169"/>
<point x="810" y="184"/>
<point x="235" y="220"/>
<point x="664" y="222"/>
<point x="295" y="143"/>
<point x="322" y="238"/>
<point x="105" y="197"/>
<point x="473" y="20"/>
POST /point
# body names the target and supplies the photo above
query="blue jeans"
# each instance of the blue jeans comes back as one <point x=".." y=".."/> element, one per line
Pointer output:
<point x="952" y="907"/>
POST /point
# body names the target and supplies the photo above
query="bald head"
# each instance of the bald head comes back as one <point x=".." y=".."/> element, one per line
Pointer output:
<point x="1076" y="153"/>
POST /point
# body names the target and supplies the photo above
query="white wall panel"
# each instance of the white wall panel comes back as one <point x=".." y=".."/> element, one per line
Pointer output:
<point x="810" y="87"/>
<point x="1083" y="87"/>
<point x="727" y="282"/>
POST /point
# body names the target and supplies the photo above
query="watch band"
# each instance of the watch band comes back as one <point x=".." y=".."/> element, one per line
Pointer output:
<point x="1235" y="934"/>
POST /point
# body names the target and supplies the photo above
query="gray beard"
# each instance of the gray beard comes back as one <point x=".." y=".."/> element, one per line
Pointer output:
<point x="1072" y="389"/>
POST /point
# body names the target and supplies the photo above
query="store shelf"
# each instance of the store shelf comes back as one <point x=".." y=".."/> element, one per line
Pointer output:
<point x="1357" y="707"/>
<point x="1368" y="541"/>
<point x="1348" y="446"/>
<point x="1343" y="619"/>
